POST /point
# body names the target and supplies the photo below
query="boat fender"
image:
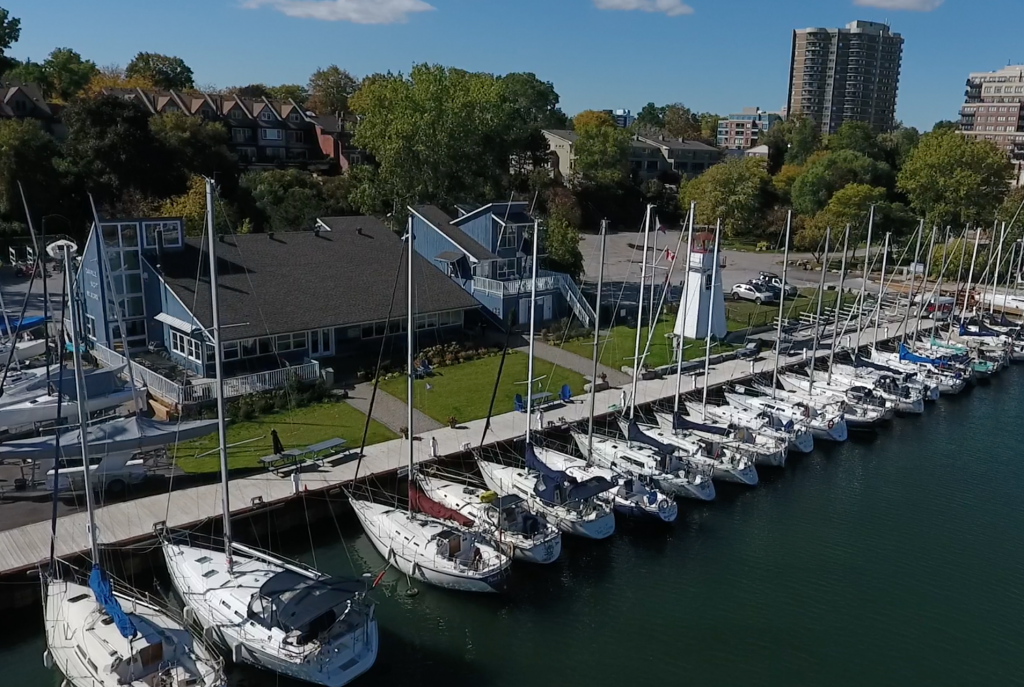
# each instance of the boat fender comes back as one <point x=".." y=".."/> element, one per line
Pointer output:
<point x="831" y="424"/>
<point x="47" y="660"/>
<point x="237" y="653"/>
<point x="188" y="614"/>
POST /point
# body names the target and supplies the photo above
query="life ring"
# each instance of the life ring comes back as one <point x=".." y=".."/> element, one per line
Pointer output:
<point x="831" y="424"/>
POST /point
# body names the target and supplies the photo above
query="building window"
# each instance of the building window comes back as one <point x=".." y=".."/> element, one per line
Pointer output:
<point x="20" y="106"/>
<point x="508" y="238"/>
<point x="235" y="113"/>
<point x="246" y="154"/>
<point x="652" y="165"/>
<point x="291" y="342"/>
<point x="296" y="137"/>
<point x="186" y="346"/>
<point x="231" y="350"/>
<point x="295" y="117"/>
<point x="267" y="116"/>
<point x="265" y="345"/>
<point x="506" y="269"/>
<point x="276" y="153"/>
<point x="171" y="233"/>
<point x="271" y="134"/>
<point x="90" y="326"/>
<point x="241" y="135"/>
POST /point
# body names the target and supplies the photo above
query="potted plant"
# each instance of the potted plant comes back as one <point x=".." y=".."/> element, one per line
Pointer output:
<point x="453" y="423"/>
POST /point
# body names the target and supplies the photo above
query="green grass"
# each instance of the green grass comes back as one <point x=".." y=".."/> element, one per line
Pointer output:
<point x="296" y="428"/>
<point x="744" y="314"/>
<point x="618" y="346"/>
<point x="464" y="390"/>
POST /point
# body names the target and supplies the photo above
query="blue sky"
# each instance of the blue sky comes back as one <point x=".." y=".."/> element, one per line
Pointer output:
<point x="709" y="54"/>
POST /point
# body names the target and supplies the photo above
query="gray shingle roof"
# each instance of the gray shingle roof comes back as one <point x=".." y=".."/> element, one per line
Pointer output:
<point x="676" y="144"/>
<point x="297" y="281"/>
<point x="563" y="134"/>
<point x="437" y="218"/>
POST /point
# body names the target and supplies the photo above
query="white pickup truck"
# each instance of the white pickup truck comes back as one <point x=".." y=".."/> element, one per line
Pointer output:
<point x="111" y="474"/>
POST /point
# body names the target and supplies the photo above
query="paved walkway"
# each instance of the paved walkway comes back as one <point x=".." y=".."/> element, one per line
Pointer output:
<point x="574" y="362"/>
<point x="388" y="410"/>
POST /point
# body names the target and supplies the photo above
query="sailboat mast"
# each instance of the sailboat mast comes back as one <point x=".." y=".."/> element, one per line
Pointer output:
<point x="864" y="282"/>
<point x="711" y="316"/>
<point x="597" y="342"/>
<point x="83" y="412"/>
<point x="924" y="282"/>
<point x="995" y="272"/>
<point x="938" y="283"/>
<point x="218" y="364"/>
<point x="682" y="304"/>
<point x="838" y="305"/>
<point x="913" y="280"/>
<point x="881" y="289"/>
<point x="533" y="324"/>
<point x="817" y="316"/>
<point x="959" y="281"/>
<point x="970" y="275"/>
<point x="782" y="302"/>
<point x="640" y="314"/>
<point x="410" y="328"/>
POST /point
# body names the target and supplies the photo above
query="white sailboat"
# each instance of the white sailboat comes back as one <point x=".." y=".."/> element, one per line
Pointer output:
<point x="828" y="424"/>
<point x="440" y="549"/>
<point x="262" y="610"/>
<point x="715" y="454"/>
<point x="505" y="519"/>
<point x="101" y="636"/>
<point x="859" y="406"/>
<point x="904" y="398"/>
<point x="767" y="433"/>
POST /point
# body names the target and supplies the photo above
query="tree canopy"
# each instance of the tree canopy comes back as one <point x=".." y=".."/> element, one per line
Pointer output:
<point x="329" y="90"/>
<point x="734" y="191"/>
<point x="827" y="173"/>
<point x="291" y="200"/>
<point x="592" y="119"/>
<point x="163" y="71"/>
<point x="10" y="31"/>
<point x="855" y="136"/>
<point x="602" y="154"/>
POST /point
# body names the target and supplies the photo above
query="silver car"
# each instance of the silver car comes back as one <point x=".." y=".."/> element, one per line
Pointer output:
<point x="752" y="291"/>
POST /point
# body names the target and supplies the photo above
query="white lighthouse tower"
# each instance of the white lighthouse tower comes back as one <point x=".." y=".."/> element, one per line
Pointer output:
<point x="702" y="300"/>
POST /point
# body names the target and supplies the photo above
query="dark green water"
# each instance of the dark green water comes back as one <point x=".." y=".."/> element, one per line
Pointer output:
<point x="895" y="560"/>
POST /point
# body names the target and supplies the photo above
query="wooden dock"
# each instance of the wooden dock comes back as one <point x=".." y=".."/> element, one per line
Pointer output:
<point x="24" y="549"/>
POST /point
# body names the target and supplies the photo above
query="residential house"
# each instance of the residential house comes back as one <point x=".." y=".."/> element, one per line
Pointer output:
<point x="285" y="299"/>
<point x="487" y="252"/>
<point x="25" y="101"/>
<point x="262" y="131"/>
<point x="649" y="156"/>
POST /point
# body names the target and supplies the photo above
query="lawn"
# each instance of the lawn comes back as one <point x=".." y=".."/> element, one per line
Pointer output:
<point x="618" y="345"/>
<point x="464" y="390"/>
<point x="744" y="314"/>
<point x="296" y="428"/>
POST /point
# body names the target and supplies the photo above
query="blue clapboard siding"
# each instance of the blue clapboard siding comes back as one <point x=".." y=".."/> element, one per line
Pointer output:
<point x="93" y="290"/>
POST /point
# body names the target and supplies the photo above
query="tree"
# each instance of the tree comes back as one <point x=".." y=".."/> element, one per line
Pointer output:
<point x="709" y="127"/>
<point x="191" y="206"/>
<point x="592" y="119"/>
<point x="439" y="135"/>
<point x="533" y="106"/>
<point x="681" y="122"/>
<point x="253" y="90"/>
<point x="951" y="179"/>
<point x="783" y="182"/>
<point x="791" y="142"/>
<point x="952" y="253"/>
<point x="195" y="146"/>
<point x="329" y="90"/>
<point x="849" y="206"/>
<point x="27" y="72"/>
<point x="10" y="32"/>
<point x="945" y="125"/>
<point x="27" y="153"/>
<point x="109" y="150"/>
<point x="163" y="71"/>
<point x="828" y="173"/>
<point x="734" y="191"/>
<point x="650" y="118"/>
<point x="289" y="91"/>
<point x="67" y="74"/>
<point x="290" y="200"/>
<point x="113" y="76"/>
<point x="1012" y="209"/>
<point x="602" y="154"/>
<point x="855" y="136"/>
<point x="897" y="145"/>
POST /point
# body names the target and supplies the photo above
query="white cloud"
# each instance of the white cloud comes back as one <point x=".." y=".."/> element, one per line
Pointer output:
<point x="909" y="5"/>
<point x="672" y="8"/>
<point x="355" y="11"/>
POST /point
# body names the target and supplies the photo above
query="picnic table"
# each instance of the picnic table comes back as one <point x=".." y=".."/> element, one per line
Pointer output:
<point x="295" y="457"/>
<point x="541" y="398"/>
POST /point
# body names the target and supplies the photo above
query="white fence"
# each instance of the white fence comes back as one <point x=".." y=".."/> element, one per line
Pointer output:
<point x="179" y="394"/>
<point x="515" y="287"/>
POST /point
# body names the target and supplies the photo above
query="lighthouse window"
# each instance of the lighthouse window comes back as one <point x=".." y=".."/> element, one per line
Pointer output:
<point x="707" y="282"/>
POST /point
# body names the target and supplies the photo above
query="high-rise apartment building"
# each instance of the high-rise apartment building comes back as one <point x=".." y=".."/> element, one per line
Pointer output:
<point x="994" y="108"/>
<point x="842" y="75"/>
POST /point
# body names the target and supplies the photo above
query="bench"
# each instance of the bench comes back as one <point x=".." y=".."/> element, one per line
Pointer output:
<point x="294" y="458"/>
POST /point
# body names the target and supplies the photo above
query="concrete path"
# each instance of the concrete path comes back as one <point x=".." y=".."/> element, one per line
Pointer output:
<point x="388" y="410"/>
<point x="574" y="362"/>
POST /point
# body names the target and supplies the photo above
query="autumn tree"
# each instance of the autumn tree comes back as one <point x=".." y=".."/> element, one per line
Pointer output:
<point x="737" y="191"/>
<point x="113" y="77"/>
<point x="163" y="71"/>
<point x="681" y="122"/>
<point x="709" y="127"/>
<point x="592" y="119"/>
<point x="952" y="180"/>
<point x="191" y="207"/>
<point x="329" y="90"/>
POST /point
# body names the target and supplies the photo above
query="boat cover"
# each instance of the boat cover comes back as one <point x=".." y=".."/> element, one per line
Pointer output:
<point x="983" y="330"/>
<point x="907" y="356"/>
<point x="776" y="422"/>
<point x="635" y="434"/>
<point x="537" y="465"/>
<point x="126" y="434"/>
<point x="589" y="488"/>
<point x="680" y="423"/>
<point x="98" y="383"/>
<point x="298" y="601"/>
<point x="421" y="503"/>
<point x="22" y="325"/>
<point x="99" y="583"/>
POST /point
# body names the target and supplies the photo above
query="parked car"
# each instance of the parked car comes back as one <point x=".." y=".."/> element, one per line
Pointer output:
<point x="775" y="281"/>
<point x="110" y="474"/>
<point x="752" y="291"/>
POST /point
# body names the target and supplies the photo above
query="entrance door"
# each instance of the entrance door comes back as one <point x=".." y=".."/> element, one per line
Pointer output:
<point x="524" y="311"/>
<point x="321" y="343"/>
<point x="548" y="302"/>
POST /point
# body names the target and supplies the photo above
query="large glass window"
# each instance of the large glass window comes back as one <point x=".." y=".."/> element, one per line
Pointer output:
<point x="508" y="237"/>
<point x="506" y="269"/>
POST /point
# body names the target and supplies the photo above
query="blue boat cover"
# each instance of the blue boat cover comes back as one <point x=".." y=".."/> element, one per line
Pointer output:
<point x="100" y="585"/>
<point x="537" y="465"/>
<point x="589" y="488"/>
<point x="23" y="325"/>
<point x="907" y="356"/>
<point x="680" y="423"/>
<point x="983" y="330"/>
<point x="635" y="434"/>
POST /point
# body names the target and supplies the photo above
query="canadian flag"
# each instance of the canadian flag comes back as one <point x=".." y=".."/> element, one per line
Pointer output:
<point x="669" y="255"/>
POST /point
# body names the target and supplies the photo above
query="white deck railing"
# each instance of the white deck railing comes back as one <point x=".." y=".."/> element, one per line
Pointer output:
<point x="178" y="394"/>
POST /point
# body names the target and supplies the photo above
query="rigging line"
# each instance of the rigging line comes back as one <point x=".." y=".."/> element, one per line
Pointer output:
<point x="664" y="293"/>
<point x="497" y="380"/>
<point x="380" y="359"/>
<point x="622" y="288"/>
<point x="56" y="447"/>
<point x="13" y="336"/>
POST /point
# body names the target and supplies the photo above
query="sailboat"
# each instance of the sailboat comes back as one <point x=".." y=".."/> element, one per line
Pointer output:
<point x="429" y="541"/>
<point x="826" y="424"/>
<point x="99" y="634"/>
<point x="263" y="610"/>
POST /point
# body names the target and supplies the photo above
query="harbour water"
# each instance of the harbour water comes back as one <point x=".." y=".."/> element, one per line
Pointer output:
<point x="889" y="560"/>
